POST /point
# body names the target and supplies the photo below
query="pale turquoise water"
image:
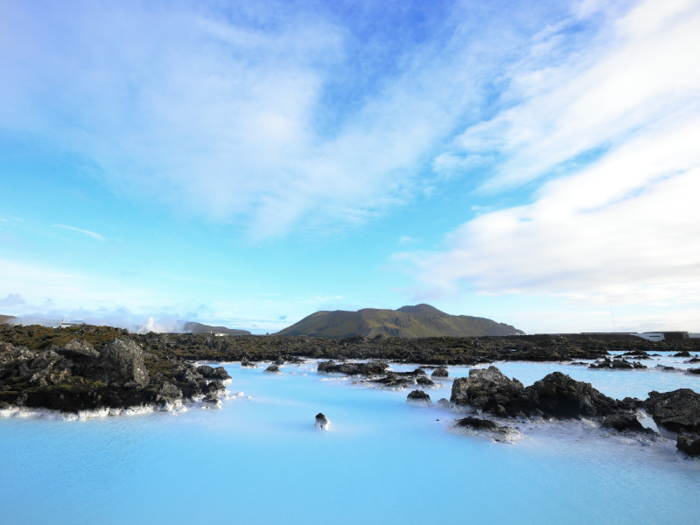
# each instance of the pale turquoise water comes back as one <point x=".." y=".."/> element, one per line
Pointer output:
<point x="384" y="461"/>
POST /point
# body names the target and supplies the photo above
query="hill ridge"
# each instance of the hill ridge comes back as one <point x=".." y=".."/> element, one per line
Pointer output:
<point x="422" y="320"/>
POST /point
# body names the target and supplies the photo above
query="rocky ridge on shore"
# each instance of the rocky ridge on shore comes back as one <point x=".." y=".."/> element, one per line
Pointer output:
<point x="103" y="368"/>
<point x="79" y="376"/>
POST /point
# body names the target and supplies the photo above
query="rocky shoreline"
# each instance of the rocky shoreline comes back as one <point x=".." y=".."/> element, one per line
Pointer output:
<point x="103" y="370"/>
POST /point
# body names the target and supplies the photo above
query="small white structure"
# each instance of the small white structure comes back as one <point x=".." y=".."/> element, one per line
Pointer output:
<point x="69" y="324"/>
<point x="651" y="336"/>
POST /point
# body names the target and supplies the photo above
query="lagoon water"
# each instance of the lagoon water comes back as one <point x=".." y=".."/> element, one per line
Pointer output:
<point x="260" y="460"/>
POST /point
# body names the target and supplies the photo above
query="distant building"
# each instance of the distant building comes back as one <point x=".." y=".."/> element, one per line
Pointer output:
<point x="664" y="336"/>
<point x="70" y="324"/>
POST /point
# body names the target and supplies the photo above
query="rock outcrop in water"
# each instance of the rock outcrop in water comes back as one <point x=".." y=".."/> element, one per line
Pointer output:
<point x="322" y="422"/>
<point x="353" y="369"/>
<point x="618" y="364"/>
<point x="78" y="377"/>
<point x="625" y="423"/>
<point x="441" y="372"/>
<point x="689" y="445"/>
<point x="475" y="426"/>
<point x="678" y="411"/>
<point x="419" y="397"/>
<point x="556" y="395"/>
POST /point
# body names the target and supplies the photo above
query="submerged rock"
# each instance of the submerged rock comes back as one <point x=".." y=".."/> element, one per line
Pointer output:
<point x="664" y="368"/>
<point x="402" y="380"/>
<point x="690" y="445"/>
<point x="625" y="423"/>
<point x="475" y="426"/>
<point x="678" y="411"/>
<point x="617" y="364"/>
<point x="272" y="369"/>
<point x="419" y="397"/>
<point x="322" y="422"/>
<point x="353" y="369"/>
<point x="441" y="372"/>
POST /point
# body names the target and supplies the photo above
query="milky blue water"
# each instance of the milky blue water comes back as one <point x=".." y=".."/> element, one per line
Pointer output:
<point x="260" y="460"/>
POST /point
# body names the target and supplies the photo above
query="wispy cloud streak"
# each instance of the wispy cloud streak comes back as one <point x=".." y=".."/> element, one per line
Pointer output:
<point x="615" y="128"/>
<point x="85" y="232"/>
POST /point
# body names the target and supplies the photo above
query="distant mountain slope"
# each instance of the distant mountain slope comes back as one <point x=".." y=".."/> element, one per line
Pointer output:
<point x="199" y="328"/>
<point x="4" y="318"/>
<point x="422" y="320"/>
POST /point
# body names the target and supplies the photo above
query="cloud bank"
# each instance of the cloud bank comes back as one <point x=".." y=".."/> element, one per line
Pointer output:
<point x="271" y="117"/>
<point x="615" y="129"/>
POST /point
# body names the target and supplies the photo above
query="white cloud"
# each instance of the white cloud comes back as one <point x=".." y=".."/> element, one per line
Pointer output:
<point x="619" y="230"/>
<point x="219" y="118"/>
<point x="406" y="239"/>
<point x="86" y="232"/>
<point x="637" y="71"/>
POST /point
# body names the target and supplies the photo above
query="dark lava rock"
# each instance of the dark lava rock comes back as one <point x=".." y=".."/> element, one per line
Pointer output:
<point x="279" y="361"/>
<point x="418" y="396"/>
<point x="120" y="362"/>
<point x="625" y="423"/>
<point x="169" y="393"/>
<point x="485" y="427"/>
<point x="245" y="363"/>
<point x="695" y="371"/>
<point x="664" y="368"/>
<point x="322" y="421"/>
<point x="477" y="423"/>
<point x="683" y="353"/>
<point x="78" y="349"/>
<point x="273" y="369"/>
<point x="630" y="403"/>
<point x="693" y="360"/>
<point x="354" y="369"/>
<point x="690" y="445"/>
<point x="678" y="411"/>
<point x="488" y="389"/>
<point x="556" y="395"/>
<point x="402" y="380"/>
<point x="637" y="354"/>
<point x="219" y="373"/>
<point x="562" y="397"/>
<point x="617" y="364"/>
<point x="212" y="399"/>
<point x="441" y="372"/>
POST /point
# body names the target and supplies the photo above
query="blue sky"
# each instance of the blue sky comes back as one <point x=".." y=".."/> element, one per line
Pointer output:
<point x="249" y="163"/>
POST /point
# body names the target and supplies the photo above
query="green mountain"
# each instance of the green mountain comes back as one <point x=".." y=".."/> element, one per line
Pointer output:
<point x="422" y="320"/>
<point x="199" y="328"/>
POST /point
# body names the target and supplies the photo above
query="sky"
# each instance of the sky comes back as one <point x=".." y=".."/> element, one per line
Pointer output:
<point x="249" y="163"/>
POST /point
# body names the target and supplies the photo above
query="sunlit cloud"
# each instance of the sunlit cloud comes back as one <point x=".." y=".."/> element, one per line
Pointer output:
<point x="618" y="226"/>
